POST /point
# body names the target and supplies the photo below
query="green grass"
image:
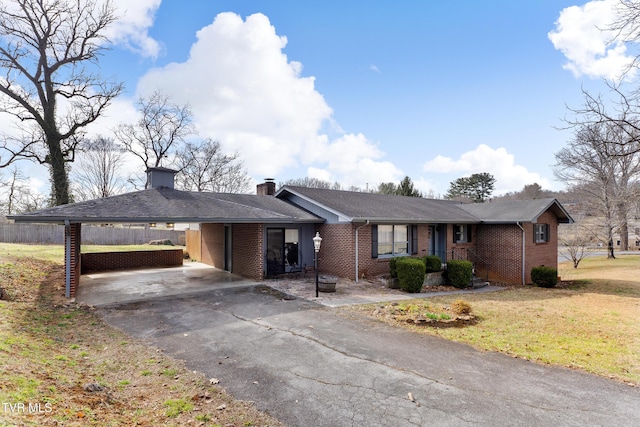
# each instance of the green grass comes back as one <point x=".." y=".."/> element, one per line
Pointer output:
<point x="175" y="407"/>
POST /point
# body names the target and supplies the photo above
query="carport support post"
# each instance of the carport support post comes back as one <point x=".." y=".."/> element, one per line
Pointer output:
<point x="67" y="258"/>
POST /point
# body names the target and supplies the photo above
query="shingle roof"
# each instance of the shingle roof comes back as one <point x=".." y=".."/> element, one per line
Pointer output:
<point x="169" y="205"/>
<point x="361" y="206"/>
<point x="510" y="211"/>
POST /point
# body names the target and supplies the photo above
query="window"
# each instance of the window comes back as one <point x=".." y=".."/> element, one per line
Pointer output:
<point x="461" y="233"/>
<point x="393" y="240"/>
<point x="540" y="233"/>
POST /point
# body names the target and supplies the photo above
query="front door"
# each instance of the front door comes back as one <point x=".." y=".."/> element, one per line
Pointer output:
<point x="275" y="251"/>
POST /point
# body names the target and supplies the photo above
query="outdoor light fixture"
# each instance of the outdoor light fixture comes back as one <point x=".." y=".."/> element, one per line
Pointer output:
<point x="170" y="225"/>
<point x="152" y="224"/>
<point x="316" y="246"/>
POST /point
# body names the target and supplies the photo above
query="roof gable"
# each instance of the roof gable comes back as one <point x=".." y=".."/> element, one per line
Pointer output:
<point x="510" y="211"/>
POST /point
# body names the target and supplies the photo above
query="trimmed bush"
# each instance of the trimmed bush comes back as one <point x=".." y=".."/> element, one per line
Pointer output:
<point x="410" y="274"/>
<point x="393" y="269"/>
<point x="544" y="277"/>
<point x="432" y="263"/>
<point x="459" y="273"/>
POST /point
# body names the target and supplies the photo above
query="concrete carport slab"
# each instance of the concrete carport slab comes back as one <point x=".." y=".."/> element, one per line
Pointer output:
<point x="125" y="286"/>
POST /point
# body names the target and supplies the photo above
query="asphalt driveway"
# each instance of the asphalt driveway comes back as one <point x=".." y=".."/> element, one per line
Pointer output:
<point x="307" y="364"/>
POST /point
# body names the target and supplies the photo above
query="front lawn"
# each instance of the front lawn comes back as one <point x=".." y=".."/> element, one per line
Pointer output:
<point x="590" y="322"/>
<point x="60" y="364"/>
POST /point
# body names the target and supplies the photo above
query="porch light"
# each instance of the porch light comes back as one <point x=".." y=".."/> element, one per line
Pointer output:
<point x="170" y="225"/>
<point x="152" y="224"/>
<point x="316" y="246"/>
<point x="316" y="242"/>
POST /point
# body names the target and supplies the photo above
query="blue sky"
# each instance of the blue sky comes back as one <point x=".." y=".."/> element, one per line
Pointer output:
<point x="368" y="92"/>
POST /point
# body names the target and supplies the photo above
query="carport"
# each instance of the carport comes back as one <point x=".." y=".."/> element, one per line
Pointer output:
<point x="127" y="286"/>
<point x="244" y="219"/>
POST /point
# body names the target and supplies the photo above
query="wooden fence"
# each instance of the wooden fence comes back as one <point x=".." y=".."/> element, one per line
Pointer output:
<point x="91" y="234"/>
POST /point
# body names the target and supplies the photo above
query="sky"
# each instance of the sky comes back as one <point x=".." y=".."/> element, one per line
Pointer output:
<point x="362" y="92"/>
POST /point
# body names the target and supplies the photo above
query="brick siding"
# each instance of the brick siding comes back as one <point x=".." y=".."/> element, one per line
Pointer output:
<point x="105" y="261"/>
<point x="541" y="253"/>
<point x="248" y="243"/>
<point x="337" y="253"/>
<point x="500" y="246"/>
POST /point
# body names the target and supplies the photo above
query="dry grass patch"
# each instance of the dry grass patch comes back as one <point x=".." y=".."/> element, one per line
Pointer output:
<point x="591" y="322"/>
<point x="52" y="355"/>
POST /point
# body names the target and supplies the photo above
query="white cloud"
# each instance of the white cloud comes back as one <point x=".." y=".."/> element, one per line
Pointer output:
<point x="581" y="35"/>
<point x="131" y="29"/>
<point x="374" y="68"/>
<point x="246" y="93"/>
<point x="499" y="163"/>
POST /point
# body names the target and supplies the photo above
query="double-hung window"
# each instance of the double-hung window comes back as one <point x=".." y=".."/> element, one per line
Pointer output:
<point x="541" y="233"/>
<point x="461" y="233"/>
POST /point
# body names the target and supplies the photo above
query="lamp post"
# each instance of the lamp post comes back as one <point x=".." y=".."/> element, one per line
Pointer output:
<point x="316" y="246"/>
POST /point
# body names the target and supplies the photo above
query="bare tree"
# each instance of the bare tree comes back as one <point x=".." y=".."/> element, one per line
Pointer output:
<point x="97" y="172"/>
<point x="44" y="47"/>
<point x="159" y="133"/>
<point x="311" y="183"/>
<point x="604" y="167"/>
<point x="204" y="167"/>
<point x="17" y="196"/>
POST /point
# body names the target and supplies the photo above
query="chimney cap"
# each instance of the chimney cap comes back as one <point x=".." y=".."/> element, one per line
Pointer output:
<point x="160" y="169"/>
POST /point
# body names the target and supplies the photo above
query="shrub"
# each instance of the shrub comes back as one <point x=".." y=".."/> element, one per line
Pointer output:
<point x="410" y="274"/>
<point x="393" y="269"/>
<point x="461" y="307"/>
<point x="545" y="277"/>
<point x="432" y="263"/>
<point x="459" y="273"/>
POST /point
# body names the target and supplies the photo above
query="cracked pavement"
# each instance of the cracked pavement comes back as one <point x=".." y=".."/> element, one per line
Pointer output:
<point x="307" y="364"/>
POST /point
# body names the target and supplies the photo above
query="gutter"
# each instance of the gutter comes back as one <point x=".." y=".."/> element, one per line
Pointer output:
<point x="523" y="252"/>
<point x="357" y="248"/>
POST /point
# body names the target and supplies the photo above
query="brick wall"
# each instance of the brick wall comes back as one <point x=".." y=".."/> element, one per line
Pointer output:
<point x="212" y="244"/>
<point x="105" y="261"/>
<point x="500" y="245"/>
<point x="337" y="253"/>
<point x="541" y="253"/>
<point x="247" y="254"/>
<point x="336" y="256"/>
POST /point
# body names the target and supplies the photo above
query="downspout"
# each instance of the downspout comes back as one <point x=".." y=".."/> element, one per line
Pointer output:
<point x="357" y="248"/>
<point x="67" y="258"/>
<point x="523" y="252"/>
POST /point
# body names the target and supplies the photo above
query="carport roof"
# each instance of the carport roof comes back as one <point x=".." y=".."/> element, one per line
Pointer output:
<point x="170" y="205"/>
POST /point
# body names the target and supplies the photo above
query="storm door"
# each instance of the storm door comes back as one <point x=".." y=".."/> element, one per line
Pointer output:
<point x="275" y="251"/>
<point x="227" y="248"/>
